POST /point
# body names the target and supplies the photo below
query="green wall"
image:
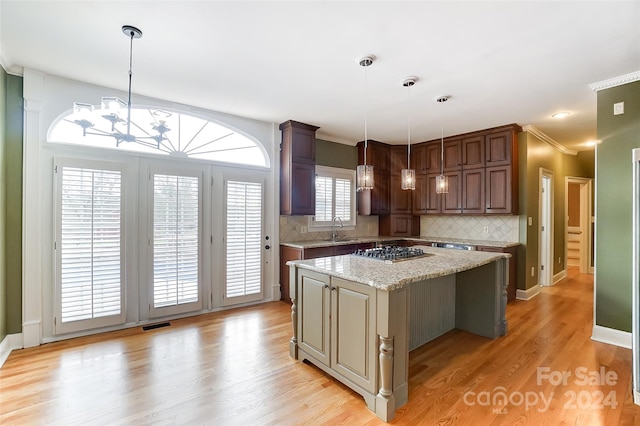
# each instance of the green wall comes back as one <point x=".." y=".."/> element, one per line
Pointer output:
<point x="11" y="136"/>
<point x="332" y="154"/>
<point x="617" y="136"/>
<point x="3" y="206"/>
<point x="535" y="154"/>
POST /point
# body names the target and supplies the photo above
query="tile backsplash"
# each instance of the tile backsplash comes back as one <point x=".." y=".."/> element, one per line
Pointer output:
<point x="290" y="229"/>
<point x="499" y="228"/>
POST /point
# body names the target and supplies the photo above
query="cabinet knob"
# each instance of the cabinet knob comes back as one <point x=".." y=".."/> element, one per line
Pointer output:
<point x="333" y="288"/>
<point x="326" y="286"/>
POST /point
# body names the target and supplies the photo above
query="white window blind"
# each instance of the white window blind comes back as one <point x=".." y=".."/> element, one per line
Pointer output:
<point x="89" y="255"/>
<point x="175" y="240"/>
<point x="243" y="239"/>
<point x="335" y="196"/>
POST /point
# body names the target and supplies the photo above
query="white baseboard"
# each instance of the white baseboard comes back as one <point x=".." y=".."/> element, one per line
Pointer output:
<point x="8" y="344"/>
<point x="611" y="336"/>
<point x="529" y="293"/>
<point x="31" y="334"/>
<point x="560" y="275"/>
<point x="636" y="397"/>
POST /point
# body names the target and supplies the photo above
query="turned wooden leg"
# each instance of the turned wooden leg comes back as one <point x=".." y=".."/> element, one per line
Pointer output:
<point x="385" y="404"/>
<point x="293" y="344"/>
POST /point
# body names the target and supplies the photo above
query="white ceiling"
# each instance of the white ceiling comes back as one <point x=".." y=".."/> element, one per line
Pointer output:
<point x="502" y="62"/>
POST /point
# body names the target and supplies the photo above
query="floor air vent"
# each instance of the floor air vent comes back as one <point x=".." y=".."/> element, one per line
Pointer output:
<point x="153" y="326"/>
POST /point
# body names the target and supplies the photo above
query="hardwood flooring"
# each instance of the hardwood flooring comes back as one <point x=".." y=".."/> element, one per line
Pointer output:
<point x="233" y="368"/>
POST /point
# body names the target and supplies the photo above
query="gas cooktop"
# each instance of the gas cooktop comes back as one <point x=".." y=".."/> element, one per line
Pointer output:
<point x="392" y="253"/>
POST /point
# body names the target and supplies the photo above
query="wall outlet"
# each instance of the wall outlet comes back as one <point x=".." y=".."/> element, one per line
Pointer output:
<point x="303" y="229"/>
<point x="485" y="229"/>
<point x="559" y="260"/>
<point x="533" y="271"/>
<point x="530" y="221"/>
<point x="618" y="108"/>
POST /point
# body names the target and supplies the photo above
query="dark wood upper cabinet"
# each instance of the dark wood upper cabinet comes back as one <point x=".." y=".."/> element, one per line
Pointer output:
<point x="451" y="202"/>
<point x="473" y="152"/>
<point x="375" y="201"/>
<point x="297" y="168"/>
<point x="499" y="147"/>
<point x="500" y="196"/>
<point x="433" y="157"/>
<point x="398" y="159"/>
<point x="473" y="191"/>
<point x="400" y="198"/>
<point x="419" y="158"/>
<point x="452" y="155"/>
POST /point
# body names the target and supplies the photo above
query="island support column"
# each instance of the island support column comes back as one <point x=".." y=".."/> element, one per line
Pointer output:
<point x="392" y="329"/>
<point x="293" y="294"/>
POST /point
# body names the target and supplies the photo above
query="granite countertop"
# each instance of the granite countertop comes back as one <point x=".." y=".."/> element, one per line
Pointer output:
<point x="323" y="243"/>
<point x="392" y="276"/>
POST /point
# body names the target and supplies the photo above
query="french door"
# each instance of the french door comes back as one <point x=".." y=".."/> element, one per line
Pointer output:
<point x="175" y="242"/>
<point x="244" y="239"/>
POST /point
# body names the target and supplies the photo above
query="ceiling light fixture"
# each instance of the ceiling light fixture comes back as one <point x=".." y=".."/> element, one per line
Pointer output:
<point x="408" y="175"/>
<point x="562" y="114"/>
<point x="364" y="172"/>
<point x="442" y="182"/>
<point x="590" y="143"/>
<point x="111" y="109"/>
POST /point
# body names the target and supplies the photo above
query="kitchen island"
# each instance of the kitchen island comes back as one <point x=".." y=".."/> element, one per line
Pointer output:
<point x="357" y="318"/>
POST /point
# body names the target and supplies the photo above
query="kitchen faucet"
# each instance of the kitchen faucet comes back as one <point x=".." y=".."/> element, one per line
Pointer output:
<point x="334" y="234"/>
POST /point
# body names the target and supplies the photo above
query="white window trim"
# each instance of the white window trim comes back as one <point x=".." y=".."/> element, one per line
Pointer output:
<point x="335" y="172"/>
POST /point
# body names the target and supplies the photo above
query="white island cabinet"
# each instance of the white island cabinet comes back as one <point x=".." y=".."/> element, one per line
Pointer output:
<point x="358" y="318"/>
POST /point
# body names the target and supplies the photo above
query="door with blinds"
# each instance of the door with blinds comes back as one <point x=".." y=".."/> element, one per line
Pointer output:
<point x="175" y="242"/>
<point x="89" y="262"/>
<point x="243" y="240"/>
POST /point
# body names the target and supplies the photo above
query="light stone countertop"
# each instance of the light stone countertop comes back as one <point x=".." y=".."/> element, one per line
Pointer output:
<point x="356" y="240"/>
<point x="391" y="276"/>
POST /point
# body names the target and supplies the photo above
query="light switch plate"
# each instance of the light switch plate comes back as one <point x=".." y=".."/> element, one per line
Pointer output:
<point x="618" y="108"/>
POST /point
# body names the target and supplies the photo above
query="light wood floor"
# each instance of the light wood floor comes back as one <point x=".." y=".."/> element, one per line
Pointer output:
<point x="233" y="368"/>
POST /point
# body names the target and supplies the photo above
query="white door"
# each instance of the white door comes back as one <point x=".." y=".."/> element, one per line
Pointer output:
<point x="244" y="239"/>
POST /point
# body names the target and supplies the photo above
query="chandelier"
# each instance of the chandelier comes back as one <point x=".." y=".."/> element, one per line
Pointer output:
<point x="118" y="113"/>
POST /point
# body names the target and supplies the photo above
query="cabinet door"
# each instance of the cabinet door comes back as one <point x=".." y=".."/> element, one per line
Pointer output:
<point x="398" y="159"/>
<point x="452" y="201"/>
<point x="419" y="158"/>
<point x="473" y="191"/>
<point x="419" y="195"/>
<point x="315" y="252"/>
<point x="452" y="155"/>
<point x="400" y="225"/>
<point x="498" y="196"/>
<point x="379" y="157"/>
<point x="313" y="315"/>
<point x="473" y="152"/>
<point x="433" y="202"/>
<point x="380" y="194"/>
<point x="433" y="157"/>
<point x="498" y="148"/>
<point x="303" y="145"/>
<point x="353" y="332"/>
<point x="513" y="268"/>
<point x="400" y="198"/>
<point x="303" y="189"/>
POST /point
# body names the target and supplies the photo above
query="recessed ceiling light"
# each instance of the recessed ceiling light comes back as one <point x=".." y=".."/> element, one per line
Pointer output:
<point x="562" y="114"/>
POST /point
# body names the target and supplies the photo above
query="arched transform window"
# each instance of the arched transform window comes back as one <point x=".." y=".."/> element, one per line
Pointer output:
<point x="155" y="131"/>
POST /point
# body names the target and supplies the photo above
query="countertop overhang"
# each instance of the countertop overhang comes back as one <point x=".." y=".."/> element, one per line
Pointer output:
<point x="393" y="276"/>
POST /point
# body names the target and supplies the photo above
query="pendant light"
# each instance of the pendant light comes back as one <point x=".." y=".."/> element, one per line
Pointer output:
<point x="364" y="172"/>
<point x="408" y="175"/>
<point x="442" y="182"/>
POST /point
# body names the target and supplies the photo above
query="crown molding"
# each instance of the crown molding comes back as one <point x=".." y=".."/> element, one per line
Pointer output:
<point x="615" y="81"/>
<point x="543" y="137"/>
